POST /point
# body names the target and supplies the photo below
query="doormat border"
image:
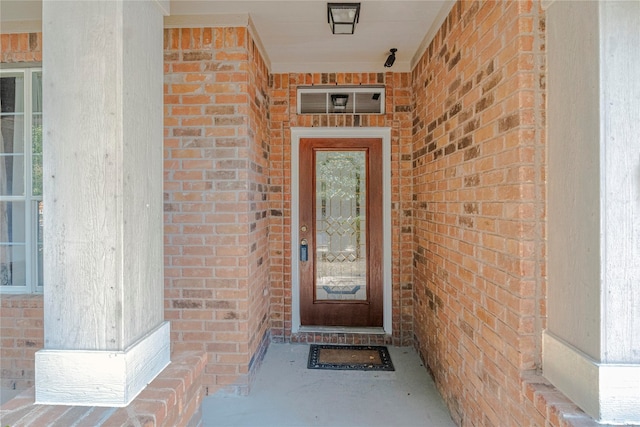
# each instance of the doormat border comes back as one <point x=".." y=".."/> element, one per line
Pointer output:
<point x="314" y="353"/>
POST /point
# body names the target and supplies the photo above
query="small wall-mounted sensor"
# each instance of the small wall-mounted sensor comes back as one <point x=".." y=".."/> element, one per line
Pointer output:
<point x="391" y="58"/>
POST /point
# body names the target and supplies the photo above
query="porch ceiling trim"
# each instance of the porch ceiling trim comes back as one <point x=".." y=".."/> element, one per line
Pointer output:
<point x="17" y="27"/>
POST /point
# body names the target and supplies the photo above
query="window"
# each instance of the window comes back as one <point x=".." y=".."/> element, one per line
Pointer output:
<point x="341" y="100"/>
<point x="21" y="181"/>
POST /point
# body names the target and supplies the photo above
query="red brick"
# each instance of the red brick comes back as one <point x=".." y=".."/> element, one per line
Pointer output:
<point x="443" y="277"/>
<point x="229" y="104"/>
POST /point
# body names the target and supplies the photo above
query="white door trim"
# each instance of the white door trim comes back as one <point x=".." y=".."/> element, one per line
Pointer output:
<point x="361" y="132"/>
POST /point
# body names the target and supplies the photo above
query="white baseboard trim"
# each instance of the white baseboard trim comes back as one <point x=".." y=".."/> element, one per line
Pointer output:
<point x="101" y="378"/>
<point x="609" y="393"/>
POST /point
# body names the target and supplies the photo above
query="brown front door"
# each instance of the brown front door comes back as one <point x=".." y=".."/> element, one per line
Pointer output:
<point x="340" y="245"/>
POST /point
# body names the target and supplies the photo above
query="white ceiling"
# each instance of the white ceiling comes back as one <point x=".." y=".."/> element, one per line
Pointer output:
<point x="294" y="34"/>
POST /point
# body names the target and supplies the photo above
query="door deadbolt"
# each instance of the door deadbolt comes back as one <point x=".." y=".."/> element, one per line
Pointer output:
<point x="304" y="250"/>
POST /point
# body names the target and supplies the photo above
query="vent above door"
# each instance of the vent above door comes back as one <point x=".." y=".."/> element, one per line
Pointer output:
<point x="331" y="100"/>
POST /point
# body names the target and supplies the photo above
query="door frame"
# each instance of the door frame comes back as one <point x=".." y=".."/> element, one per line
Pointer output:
<point x="340" y="132"/>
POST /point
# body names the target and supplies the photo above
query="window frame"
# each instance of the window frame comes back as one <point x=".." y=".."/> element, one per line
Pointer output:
<point x="28" y="198"/>
<point x="350" y="90"/>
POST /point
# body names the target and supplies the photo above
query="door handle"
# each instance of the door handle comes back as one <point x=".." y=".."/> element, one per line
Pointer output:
<point x="304" y="250"/>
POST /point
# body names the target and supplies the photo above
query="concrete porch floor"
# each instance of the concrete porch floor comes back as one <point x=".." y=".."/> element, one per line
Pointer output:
<point x="286" y="393"/>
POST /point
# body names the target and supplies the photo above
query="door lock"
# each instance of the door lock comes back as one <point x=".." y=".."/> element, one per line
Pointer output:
<point x="304" y="250"/>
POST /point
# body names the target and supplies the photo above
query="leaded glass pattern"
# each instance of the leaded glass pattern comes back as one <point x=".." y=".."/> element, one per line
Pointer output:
<point x="341" y="261"/>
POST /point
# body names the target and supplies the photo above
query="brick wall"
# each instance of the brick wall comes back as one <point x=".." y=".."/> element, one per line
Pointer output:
<point x="21" y="330"/>
<point x="21" y="335"/>
<point x="398" y="117"/>
<point x="259" y="158"/>
<point x="216" y="157"/>
<point x="24" y="47"/>
<point x="468" y="210"/>
<point x="478" y="160"/>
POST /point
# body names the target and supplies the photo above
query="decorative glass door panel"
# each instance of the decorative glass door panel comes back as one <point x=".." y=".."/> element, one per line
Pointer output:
<point x="341" y="239"/>
<point x="340" y="244"/>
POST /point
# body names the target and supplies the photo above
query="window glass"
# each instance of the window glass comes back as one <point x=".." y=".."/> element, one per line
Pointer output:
<point x="36" y="155"/>
<point x="36" y="92"/>
<point x="12" y="135"/>
<point x="21" y="180"/>
<point x="12" y="93"/>
<point x="12" y="244"/>
<point x="36" y="134"/>
<point x="38" y="226"/>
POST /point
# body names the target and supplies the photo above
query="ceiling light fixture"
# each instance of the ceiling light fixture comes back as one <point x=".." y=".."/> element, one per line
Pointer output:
<point x="342" y="17"/>
<point x="391" y="58"/>
<point x="339" y="101"/>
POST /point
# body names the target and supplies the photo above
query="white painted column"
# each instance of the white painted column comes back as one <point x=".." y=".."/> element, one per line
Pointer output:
<point x="104" y="330"/>
<point x="591" y="349"/>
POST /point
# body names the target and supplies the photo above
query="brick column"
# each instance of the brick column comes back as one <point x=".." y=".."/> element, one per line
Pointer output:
<point x="105" y="337"/>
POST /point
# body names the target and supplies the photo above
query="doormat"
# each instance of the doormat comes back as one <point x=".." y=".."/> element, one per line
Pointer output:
<point x="349" y="357"/>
